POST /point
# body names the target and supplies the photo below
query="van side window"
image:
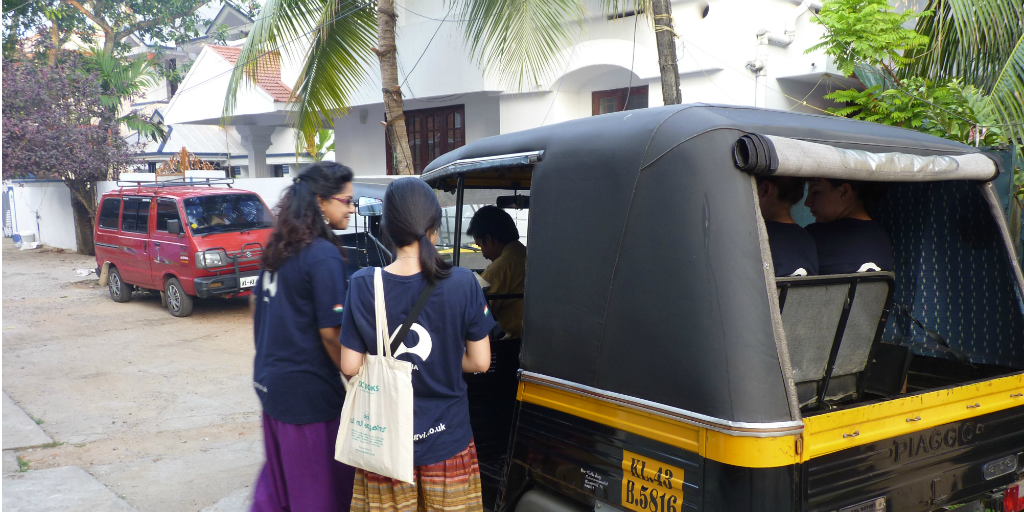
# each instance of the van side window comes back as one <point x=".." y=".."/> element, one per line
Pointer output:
<point x="165" y="211"/>
<point x="109" y="213"/>
<point x="135" y="217"/>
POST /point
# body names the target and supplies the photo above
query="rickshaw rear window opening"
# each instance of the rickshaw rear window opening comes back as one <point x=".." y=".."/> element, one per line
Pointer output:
<point x="781" y="156"/>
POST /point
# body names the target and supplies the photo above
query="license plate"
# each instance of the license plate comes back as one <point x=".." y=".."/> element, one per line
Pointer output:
<point x="998" y="468"/>
<point x="649" y="485"/>
<point x="872" y="505"/>
<point x="248" y="282"/>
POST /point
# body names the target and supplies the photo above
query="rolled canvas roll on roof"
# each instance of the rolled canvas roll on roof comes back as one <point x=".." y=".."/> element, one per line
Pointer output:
<point x="782" y="156"/>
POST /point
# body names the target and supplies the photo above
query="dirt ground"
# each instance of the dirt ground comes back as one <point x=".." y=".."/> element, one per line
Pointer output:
<point x="158" y="408"/>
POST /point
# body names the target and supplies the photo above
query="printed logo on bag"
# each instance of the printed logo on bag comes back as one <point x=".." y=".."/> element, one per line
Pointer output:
<point x="422" y="348"/>
<point x="368" y="388"/>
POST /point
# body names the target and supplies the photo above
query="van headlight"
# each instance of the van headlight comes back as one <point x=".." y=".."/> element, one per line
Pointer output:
<point x="211" y="259"/>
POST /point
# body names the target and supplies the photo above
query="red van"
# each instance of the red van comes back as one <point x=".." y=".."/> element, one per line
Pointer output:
<point x="184" y="238"/>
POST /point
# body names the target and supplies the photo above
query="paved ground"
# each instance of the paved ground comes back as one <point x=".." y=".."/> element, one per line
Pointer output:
<point x="20" y="431"/>
<point x="159" y="409"/>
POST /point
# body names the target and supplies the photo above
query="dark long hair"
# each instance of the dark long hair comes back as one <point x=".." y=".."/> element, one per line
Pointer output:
<point x="410" y="211"/>
<point x="299" y="219"/>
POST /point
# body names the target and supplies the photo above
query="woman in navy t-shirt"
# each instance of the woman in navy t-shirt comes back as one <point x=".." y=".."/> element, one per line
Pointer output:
<point x="848" y="240"/>
<point x="298" y="304"/>
<point x="449" y="337"/>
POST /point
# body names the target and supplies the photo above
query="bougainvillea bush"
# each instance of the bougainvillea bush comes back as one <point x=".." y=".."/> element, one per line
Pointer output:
<point x="53" y="128"/>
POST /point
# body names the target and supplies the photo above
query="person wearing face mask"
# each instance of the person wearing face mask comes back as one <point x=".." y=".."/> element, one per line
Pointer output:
<point x="298" y="306"/>
<point x="793" y="249"/>
<point x="848" y="239"/>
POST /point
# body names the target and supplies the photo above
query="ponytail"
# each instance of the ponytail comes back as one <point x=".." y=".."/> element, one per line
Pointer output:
<point x="411" y="211"/>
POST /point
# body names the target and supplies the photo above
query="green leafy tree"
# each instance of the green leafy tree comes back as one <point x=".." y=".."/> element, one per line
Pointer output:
<point x="55" y="22"/>
<point x="519" y="41"/>
<point x="161" y="20"/>
<point x="122" y="81"/>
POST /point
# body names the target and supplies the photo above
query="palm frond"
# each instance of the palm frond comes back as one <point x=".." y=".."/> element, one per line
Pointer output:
<point x="969" y="39"/>
<point x="1006" y="99"/>
<point x="520" y="40"/>
<point x="146" y="128"/>
<point x="336" y="64"/>
<point x="341" y="34"/>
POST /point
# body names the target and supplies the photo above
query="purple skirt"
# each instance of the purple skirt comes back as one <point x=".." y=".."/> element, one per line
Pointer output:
<point x="301" y="474"/>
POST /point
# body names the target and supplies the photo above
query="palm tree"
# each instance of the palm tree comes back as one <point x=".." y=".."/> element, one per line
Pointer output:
<point x="664" y="33"/>
<point x="122" y="81"/>
<point x="520" y="41"/>
<point x="981" y="43"/>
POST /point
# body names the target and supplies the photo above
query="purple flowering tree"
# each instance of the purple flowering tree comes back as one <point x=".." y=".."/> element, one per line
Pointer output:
<point x="54" y="128"/>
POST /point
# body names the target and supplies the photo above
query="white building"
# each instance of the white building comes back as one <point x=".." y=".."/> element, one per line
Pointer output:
<point x="450" y="100"/>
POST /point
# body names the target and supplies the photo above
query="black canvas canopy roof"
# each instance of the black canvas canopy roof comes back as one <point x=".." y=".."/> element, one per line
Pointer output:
<point x="645" y="274"/>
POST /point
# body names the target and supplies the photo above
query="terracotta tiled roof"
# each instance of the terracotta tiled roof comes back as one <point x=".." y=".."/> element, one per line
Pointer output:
<point x="270" y="71"/>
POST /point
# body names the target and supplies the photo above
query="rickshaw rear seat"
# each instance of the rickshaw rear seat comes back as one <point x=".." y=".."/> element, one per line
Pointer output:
<point x="832" y="324"/>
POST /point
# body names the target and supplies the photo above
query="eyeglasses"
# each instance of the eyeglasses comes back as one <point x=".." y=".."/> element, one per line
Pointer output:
<point x="343" y="200"/>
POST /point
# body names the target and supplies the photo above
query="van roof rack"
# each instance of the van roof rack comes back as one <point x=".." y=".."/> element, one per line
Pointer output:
<point x="151" y="180"/>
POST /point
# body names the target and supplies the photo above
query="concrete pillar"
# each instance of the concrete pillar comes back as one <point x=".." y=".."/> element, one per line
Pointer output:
<point x="256" y="140"/>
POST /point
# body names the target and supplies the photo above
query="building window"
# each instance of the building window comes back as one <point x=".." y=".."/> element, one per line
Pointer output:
<point x="236" y="171"/>
<point x="432" y="133"/>
<point x="617" y="100"/>
<point x="151" y="167"/>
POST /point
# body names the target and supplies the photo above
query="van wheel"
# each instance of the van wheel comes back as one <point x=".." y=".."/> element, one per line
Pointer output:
<point x="178" y="303"/>
<point x="120" y="291"/>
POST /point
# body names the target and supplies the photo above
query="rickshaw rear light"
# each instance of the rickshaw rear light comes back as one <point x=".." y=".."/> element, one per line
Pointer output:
<point x="1011" y="499"/>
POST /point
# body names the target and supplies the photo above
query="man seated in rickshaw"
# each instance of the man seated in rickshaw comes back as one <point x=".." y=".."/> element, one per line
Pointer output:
<point x="496" y="234"/>
<point x="848" y="239"/>
<point x="793" y="249"/>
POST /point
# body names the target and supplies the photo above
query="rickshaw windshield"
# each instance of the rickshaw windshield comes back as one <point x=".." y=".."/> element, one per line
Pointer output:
<point x="226" y="212"/>
<point x="473" y="200"/>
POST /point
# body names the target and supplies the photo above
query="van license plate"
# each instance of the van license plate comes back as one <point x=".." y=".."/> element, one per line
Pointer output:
<point x="650" y="485"/>
<point x="248" y="282"/>
<point x="872" y="505"/>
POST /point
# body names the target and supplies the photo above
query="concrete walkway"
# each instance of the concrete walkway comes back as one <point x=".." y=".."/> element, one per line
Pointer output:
<point x="20" y="431"/>
<point x="64" y="489"/>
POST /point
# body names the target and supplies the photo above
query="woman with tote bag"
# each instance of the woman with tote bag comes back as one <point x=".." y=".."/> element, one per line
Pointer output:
<point x="298" y="303"/>
<point x="448" y="337"/>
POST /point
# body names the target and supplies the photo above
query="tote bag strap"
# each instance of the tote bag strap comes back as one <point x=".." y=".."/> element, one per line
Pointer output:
<point x="420" y="303"/>
<point x="382" y="316"/>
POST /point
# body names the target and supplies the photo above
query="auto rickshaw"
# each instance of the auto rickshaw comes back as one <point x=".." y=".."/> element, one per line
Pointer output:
<point x="664" y="367"/>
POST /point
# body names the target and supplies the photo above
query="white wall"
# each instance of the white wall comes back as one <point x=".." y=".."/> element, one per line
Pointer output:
<point x="51" y="201"/>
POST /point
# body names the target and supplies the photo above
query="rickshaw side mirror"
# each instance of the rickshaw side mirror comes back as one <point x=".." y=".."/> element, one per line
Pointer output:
<point x="518" y="202"/>
<point x="370" y="207"/>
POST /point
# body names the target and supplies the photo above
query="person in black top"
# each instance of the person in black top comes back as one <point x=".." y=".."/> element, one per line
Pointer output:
<point x="793" y="250"/>
<point x="848" y="239"/>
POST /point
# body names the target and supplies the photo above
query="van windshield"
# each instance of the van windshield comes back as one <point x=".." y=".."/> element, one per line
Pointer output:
<point x="226" y="212"/>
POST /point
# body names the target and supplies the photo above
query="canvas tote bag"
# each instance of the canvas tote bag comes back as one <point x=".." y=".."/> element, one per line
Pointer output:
<point x="377" y="418"/>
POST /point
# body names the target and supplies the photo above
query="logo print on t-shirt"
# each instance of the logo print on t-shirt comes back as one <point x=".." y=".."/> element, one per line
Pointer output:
<point x="422" y="349"/>
<point x="269" y="285"/>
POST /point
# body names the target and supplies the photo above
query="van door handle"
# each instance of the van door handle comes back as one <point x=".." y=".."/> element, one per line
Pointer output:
<point x="156" y="244"/>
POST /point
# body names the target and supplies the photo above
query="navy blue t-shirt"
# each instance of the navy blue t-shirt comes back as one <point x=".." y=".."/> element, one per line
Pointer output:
<point x="294" y="376"/>
<point x="456" y="312"/>
<point x="847" y="245"/>
<point x="792" y="248"/>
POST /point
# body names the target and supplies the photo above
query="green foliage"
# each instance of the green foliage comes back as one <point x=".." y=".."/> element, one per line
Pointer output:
<point x="124" y="80"/>
<point x="341" y="34"/>
<point x="41" y="16"/>
<point x="220" y="34"/>
<point x="520" y="41"/>
<point x="950" y="110"/>
<point x="323" y="144"/>
<point x="22" y="464"/>
<point x="867" y="31"/>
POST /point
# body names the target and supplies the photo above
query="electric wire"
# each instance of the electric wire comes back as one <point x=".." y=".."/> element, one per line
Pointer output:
<point x="629" y="88"/>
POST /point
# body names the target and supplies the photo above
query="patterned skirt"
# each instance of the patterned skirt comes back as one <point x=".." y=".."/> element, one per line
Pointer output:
<point x="451" y="485"/>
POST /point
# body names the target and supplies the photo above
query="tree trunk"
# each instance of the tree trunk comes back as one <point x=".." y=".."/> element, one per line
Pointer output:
<point x="85" y="216"/>
<point x="394" y="107"/>
<point x="667" y="61"/>
<point x="55" y="35"/>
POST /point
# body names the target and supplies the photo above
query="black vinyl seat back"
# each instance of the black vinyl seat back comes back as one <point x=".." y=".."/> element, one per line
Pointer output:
<point x="832" y="325"/>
